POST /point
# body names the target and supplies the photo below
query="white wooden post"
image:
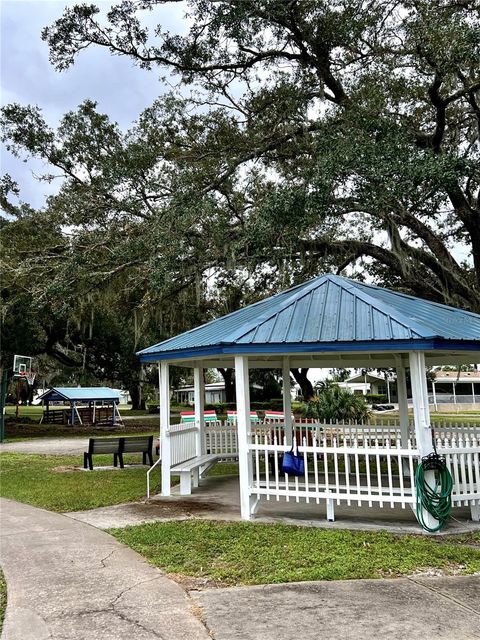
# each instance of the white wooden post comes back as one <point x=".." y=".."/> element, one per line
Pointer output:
<point x="454" y="394"/>
<point x="287" y="399"/>
<point x="421" y="410"/>
<point x="421" y="414"/>
<point x="473" y="393"/>
<point x="402" y="402"/>
<point x="434" y="396"/>
<point x="164" y="400"/>
<point x="199" y="391"/>
<point x="243" y="426"/>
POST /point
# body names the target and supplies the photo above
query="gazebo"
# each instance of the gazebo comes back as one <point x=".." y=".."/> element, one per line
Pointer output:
<point x="329" y="321"/>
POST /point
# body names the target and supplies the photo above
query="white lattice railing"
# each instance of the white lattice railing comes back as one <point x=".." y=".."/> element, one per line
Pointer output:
<point x="362" y="473"/>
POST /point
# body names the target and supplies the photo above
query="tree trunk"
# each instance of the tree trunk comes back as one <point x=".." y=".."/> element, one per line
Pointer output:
<point x="306" y="386"/>
<point x="227" y="375"/>
<point x="135" y="393"/>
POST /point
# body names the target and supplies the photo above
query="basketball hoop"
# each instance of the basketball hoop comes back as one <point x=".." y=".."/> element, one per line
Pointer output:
<point x="30" y="378"/>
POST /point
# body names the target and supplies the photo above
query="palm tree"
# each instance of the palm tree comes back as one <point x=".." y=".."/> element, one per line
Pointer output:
<point x="335" y="404"/>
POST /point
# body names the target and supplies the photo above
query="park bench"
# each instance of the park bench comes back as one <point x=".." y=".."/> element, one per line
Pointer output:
<point x="190" y="470"/>
<point x="119" y="446"/>
<point x="275" y="416"/>
<point x="189" y="416"/>
<point x="232" y="416"/>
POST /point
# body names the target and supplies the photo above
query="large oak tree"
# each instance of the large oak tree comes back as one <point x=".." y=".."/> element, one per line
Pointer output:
<point x="303" y="137"/>
<point x="350" y="128"/>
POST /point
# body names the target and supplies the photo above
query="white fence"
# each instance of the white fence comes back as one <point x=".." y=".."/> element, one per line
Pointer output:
<point x="353" y="464"/>
<point x="220" y="438"/>
<point x="336" y="472"/>
<point x="462" y="457"/>
<point x="360" y="472"/>
<point x="449" y="398"/>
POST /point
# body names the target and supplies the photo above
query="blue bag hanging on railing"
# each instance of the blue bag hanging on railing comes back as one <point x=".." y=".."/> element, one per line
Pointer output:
<point x="293" y="464"/>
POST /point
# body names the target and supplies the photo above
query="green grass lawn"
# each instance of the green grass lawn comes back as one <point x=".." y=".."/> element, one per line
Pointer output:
<point x="51" y="483"/>
<point x="33" y="412"/>
<point x="466" y="417"/>
<point x="255" y="553"/>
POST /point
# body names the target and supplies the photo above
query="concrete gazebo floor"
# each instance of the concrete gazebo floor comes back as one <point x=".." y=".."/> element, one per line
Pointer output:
<point x="218" y="498"/>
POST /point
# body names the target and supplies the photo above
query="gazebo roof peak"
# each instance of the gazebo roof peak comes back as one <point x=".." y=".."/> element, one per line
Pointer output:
<point x="328" y="312"/>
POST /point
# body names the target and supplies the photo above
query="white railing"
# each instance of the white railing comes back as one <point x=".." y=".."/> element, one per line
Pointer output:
<point x="182" y="442"/>
<point x="221" y="439"/>
<point x="336" y="472"/>
<point x="450" y="431"/>
<point x="448" y="398"/>
<point x="462" y="457"/>
<point x="360" y="472"/>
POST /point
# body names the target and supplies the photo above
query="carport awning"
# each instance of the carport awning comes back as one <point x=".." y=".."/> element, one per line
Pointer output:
<point x="328" y="319"/>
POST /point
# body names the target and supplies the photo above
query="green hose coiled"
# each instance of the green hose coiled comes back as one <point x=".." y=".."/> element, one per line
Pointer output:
<point x="436" y="500"/>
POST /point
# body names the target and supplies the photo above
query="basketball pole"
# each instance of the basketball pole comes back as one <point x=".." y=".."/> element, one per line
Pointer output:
<point x="18" y="399"/>
<point x="3" y="397"/>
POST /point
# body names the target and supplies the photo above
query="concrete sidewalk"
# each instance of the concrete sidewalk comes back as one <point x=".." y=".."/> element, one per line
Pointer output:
<point x="397" y="609"/>
<point x="67" y="580"/>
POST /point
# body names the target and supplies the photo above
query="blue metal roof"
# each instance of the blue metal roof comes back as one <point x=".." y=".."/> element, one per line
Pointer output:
<point x="328" y="312"/>
<point x="79" y="394"/>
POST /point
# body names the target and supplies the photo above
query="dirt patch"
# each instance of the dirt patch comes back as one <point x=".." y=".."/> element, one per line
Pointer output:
<point x="178" y="508"/>
<point x="192" y="583"/>
<point x="66" y="469"/>
<point x="194" y="505"/>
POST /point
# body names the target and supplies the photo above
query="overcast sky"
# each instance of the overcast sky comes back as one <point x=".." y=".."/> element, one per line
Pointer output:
<point x="121" y="89"/>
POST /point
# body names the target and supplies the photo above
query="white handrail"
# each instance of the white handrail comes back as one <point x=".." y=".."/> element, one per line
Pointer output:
<point x="148" y="476"/>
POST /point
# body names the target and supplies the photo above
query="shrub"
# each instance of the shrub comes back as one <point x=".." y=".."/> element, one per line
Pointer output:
<point x="220" y="407"/>
<point x="153" y="408"/>
<point x="336" y="404"/>
<point x="376" y="398"/>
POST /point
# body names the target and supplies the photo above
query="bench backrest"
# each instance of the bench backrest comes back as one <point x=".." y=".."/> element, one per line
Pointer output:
<point x="131" y="444"/>
<point x="104" y="445"/>
<point x="276" y="416"/>
<point x="137" y="444"/>
<point x="232" y="416"/>
<point x="189" y="416"/>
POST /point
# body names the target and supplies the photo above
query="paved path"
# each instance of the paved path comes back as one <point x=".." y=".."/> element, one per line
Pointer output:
<point x="67" y="580"/>
<point x="52" y="446"/>
<point x="397" y="609"/>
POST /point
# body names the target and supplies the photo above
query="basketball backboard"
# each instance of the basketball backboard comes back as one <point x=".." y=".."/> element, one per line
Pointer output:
<point x="22" y="365"/>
